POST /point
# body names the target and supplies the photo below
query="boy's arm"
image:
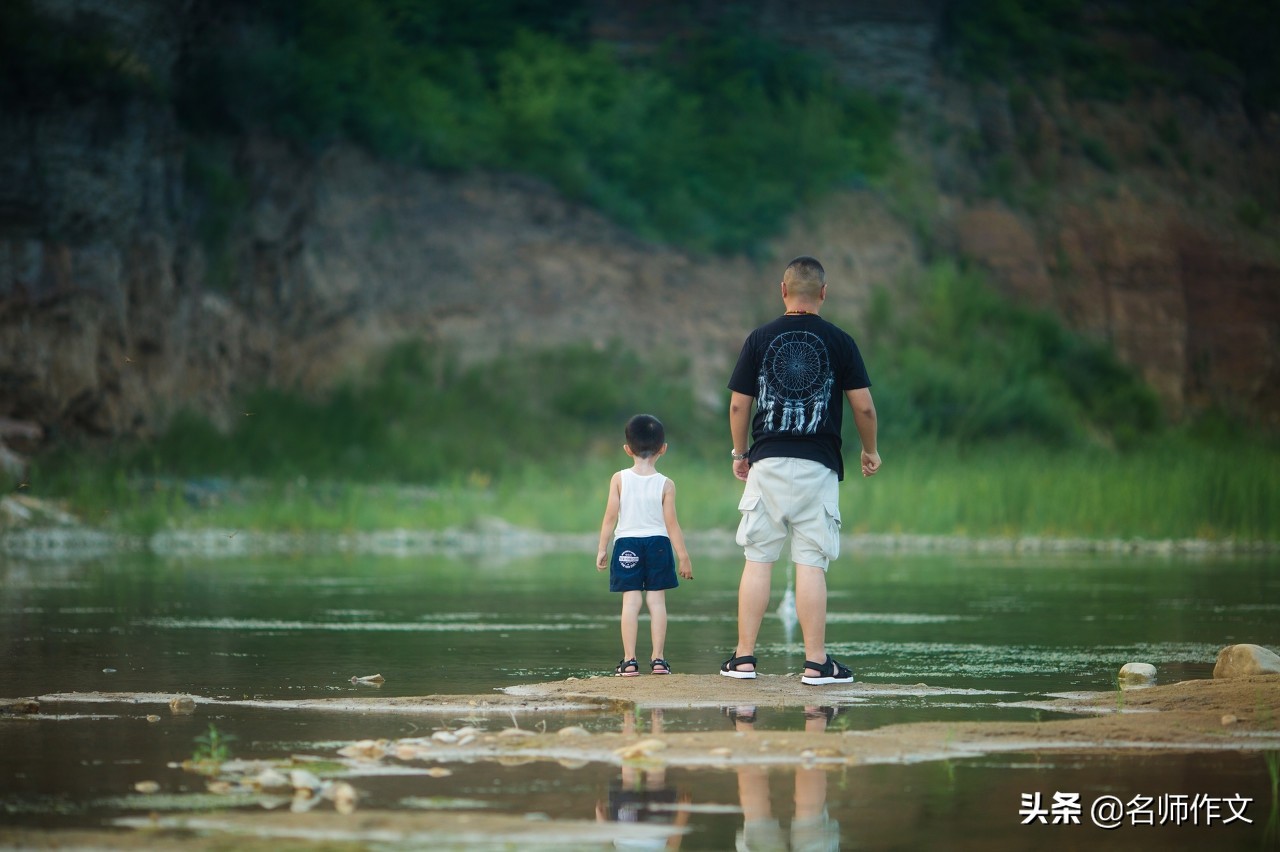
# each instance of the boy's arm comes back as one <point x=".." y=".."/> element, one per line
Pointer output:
<point x="683" y="565"/>
<point x="610" y="521"/>
<point x="864" y="417"/>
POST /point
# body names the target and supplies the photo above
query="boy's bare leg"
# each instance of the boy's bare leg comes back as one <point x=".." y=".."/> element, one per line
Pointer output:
<point x="753" y="600"/>
<point x="657" y="601"/>
<point x="811" y="609"/>
<point x="630" y="622"/>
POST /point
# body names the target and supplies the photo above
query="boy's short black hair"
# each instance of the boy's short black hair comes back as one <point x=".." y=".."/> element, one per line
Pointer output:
<point x="645" y="435"/>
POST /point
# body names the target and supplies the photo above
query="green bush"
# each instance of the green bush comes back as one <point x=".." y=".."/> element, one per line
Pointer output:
<point x="1004" y="40"/>
<point x="1209" y="48"/>
<point x="710" y="145"/>
<point x="421" y="418"/>
<point x="962" y="364"/>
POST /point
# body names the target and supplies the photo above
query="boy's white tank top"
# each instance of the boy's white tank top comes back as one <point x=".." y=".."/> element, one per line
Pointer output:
<point x="640" y="507"/>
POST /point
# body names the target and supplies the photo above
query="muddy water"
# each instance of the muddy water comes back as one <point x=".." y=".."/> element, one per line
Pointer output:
<point x="1013" y="628"/>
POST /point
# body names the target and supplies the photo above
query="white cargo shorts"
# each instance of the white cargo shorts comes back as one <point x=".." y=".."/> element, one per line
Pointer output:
<point x="798" y="496"/>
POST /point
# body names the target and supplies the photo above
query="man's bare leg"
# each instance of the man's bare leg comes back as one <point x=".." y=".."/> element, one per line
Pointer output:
<point x="811" y="609"/>
<point x="753" y="600"/>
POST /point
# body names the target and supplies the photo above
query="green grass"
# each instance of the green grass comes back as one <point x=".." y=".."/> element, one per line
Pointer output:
<point x="1170" y="489"/>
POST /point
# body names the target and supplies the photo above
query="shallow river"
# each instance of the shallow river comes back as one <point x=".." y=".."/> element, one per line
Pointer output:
<point x="1014" y="628"/>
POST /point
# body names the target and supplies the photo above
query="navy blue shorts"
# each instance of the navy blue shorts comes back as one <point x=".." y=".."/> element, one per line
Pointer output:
<point x="644" y="564"/>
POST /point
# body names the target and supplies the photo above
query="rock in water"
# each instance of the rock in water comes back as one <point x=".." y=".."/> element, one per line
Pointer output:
<point x="1245" y="660"/>
<point x="1137" y="673"/>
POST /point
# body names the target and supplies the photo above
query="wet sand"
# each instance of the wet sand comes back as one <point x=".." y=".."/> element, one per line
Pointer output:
<point x="1233" y="714"/>
<point x="1241" y="714"/>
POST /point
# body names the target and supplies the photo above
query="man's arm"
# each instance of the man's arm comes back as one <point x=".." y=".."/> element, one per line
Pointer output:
<point x="864" y="417"/>
<point x="740" y="428"/>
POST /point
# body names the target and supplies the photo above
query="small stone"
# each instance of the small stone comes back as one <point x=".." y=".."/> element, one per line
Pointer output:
<point x="23" y="705"/>
<point x="820" y="751"/>
<point x="301" y="779"/>
<point x="1138" y="673"/>
<point x="152" y="717"/>
<point x="270" y="779"/>
<point x="147" y="787"/>
<point x="344" y="797"/>
<point x="573" y="731"/>
<point x="644" y="748"/>
<point x="407" y="751"/>
<point x="1229" y="719"/>
<point x="439" y="772"/>
<point x="516" y="733"/>
<point x="365" y="749"/>
<point x="182" y="705"/>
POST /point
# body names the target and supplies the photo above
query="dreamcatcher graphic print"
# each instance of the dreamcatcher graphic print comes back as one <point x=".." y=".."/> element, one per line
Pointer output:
<point x="795" y="383"/>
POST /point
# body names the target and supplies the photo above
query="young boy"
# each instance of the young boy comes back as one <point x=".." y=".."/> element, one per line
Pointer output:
<point x="640" y="515"/>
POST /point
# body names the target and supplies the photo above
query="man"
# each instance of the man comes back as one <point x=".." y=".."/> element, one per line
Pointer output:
<point x="795" y="369"/>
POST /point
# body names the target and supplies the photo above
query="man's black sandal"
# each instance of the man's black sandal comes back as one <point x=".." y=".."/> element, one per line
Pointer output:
<point x="828" y="672"/>
<point x="730" y="667"/>
<point x="627" y="668"/>
<point x="827" y="713"/>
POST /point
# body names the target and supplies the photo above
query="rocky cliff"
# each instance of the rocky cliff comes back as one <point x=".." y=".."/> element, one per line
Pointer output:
<point x="113" y="314"/>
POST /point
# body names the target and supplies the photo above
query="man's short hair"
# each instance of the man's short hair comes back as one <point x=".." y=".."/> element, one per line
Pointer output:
<point x="805" y="276"/>
<point x="645" y="435"/>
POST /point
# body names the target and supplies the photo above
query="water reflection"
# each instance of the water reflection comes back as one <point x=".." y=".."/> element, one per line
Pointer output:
<point x="641" y="794"/>
<point x="812" y="827"/>
<point x="997" y="633"/>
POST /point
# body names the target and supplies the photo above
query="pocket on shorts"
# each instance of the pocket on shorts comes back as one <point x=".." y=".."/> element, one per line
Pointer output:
<point x="831" y="511"/>
<point x="752" y="516"/>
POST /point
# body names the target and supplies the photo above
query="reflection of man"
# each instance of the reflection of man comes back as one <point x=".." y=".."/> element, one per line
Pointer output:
<point x="798" y="371"/>
<point x="812" y="829"/>
<point x="643" y="797"/>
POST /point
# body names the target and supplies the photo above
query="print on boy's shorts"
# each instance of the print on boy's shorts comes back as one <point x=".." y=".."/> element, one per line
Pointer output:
<point x="643" y="564"/>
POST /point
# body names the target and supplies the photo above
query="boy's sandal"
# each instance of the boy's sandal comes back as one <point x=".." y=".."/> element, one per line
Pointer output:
<point x="730" y="667"/>
<point x="627" y="668"/>
<point x="659" y="666"/>
<point x="829" y="671"/>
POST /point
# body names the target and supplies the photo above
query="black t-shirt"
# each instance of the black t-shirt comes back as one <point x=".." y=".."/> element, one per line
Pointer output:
<point x="798" y="369"/>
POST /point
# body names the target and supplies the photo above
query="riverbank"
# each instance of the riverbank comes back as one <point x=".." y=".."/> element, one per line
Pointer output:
<point x="1237" y="714"/>
<point x="493" y="538"/>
